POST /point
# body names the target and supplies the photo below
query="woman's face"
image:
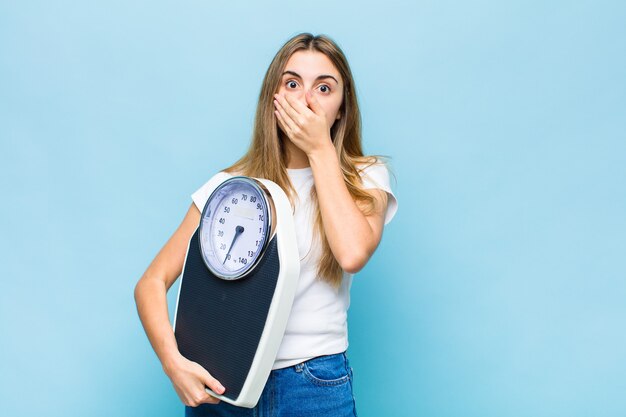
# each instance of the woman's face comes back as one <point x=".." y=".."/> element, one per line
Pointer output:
<point x="314" y="71"/>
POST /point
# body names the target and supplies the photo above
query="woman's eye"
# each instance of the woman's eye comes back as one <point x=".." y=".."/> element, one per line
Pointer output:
<point x="291" y="84"/>
<point x="326" y="89"/>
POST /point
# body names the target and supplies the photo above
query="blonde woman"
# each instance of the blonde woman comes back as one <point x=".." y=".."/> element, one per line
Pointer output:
<point x="307" y="139"/>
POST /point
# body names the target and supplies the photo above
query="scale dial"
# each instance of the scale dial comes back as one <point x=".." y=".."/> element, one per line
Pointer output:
<point x="235" y="227"/>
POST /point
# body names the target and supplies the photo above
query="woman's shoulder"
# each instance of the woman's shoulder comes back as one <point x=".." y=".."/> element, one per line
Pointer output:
<point x="376" y="174"/>
<point x="201" y="195"/>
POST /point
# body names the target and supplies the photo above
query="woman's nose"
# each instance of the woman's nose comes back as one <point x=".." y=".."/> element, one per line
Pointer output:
<point x="300" y="95"/>
<point x="297" y="95"/>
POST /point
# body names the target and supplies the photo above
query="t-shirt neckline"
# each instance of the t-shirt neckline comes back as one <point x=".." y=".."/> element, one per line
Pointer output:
<point x="300" y="171"/>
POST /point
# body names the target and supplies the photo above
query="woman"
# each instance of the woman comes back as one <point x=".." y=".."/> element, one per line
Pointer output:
<point x="307" y="139"/>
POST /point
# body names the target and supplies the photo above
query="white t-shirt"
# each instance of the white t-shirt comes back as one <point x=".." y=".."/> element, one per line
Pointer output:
<point x="317" y="324"/>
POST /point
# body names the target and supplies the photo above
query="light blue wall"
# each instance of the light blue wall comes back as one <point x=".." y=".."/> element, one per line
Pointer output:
<point x="498" y="290"/>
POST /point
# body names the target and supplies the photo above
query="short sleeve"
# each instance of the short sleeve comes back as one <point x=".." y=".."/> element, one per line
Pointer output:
<point x="201" y="195"/>
<point x="377" y="176"/>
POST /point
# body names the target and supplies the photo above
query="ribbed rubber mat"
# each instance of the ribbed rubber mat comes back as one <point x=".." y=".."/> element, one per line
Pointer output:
<point x="219" y="323"/>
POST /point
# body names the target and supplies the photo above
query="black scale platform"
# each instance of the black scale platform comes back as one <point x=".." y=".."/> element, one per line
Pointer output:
<point x="219" y="323"/>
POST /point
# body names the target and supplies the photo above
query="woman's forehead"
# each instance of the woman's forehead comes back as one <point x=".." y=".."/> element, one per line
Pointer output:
<point x="310" y="64"/>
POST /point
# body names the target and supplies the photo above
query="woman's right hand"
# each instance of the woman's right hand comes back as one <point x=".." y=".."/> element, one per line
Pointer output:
<point x="190" y="380"/>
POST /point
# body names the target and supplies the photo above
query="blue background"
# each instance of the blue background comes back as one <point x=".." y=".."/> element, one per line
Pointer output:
<point x="499" y="288"/>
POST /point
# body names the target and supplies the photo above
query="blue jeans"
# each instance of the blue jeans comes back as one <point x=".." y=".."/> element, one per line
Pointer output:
<point x="321" y="386"/>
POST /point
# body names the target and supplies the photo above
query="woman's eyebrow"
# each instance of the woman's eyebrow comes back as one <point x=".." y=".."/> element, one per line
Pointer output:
<point x="319" y="77"/>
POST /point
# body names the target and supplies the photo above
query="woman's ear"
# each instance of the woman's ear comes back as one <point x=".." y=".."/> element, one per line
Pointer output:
<point x="338" y="115"/>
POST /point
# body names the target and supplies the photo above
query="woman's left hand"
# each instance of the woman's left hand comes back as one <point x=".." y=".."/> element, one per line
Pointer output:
<point x="306" y="127"/>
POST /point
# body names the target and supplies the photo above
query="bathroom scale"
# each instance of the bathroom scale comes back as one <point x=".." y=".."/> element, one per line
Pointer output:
<point x="237" y="286"/>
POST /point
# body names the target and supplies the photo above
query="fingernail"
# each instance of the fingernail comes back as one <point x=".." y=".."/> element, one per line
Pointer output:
<point x="222" y="389"/>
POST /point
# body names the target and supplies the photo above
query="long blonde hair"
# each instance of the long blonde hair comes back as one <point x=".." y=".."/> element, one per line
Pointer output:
<point x="266" y="156"/>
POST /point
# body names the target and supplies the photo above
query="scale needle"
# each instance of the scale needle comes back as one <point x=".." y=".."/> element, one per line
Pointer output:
<point x="238" y="231"/>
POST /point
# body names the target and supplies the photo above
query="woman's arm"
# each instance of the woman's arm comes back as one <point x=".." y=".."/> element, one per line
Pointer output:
<point x="189" y="378"/>
<point x="352" y="236"/>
